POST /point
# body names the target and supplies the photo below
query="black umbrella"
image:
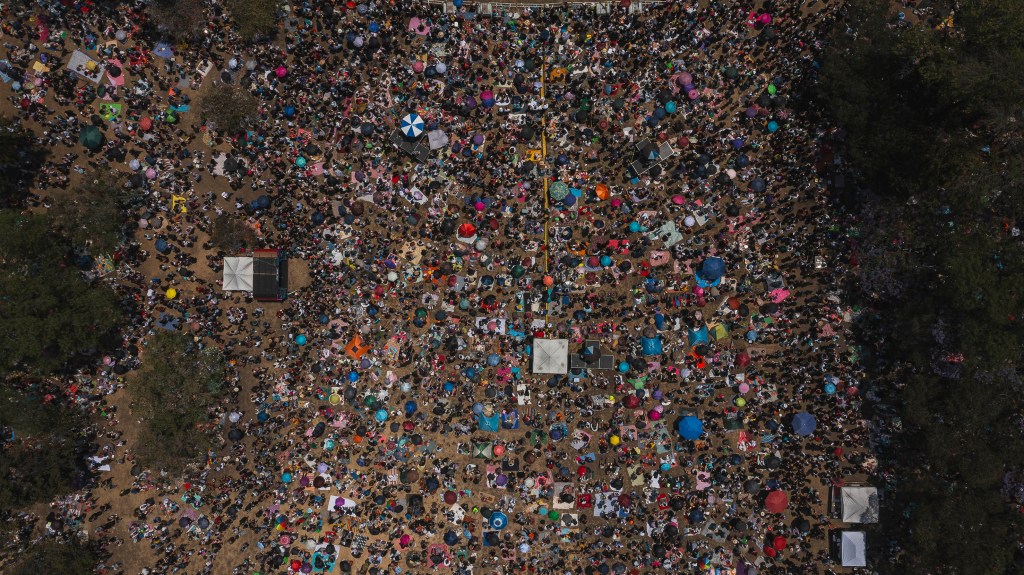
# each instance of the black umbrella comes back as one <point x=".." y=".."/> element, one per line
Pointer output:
<point x="235" y="434"/>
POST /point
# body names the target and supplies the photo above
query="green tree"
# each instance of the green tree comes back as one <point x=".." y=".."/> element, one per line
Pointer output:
<point x="254" y="18"/>
<point x="43" y="458"/>
<point x="178" y="385"/>
<point x="48" y="556"/>
<point x="19" y="159"/>
<point x="229" y="107"/>
<point x="49" y="315"/>
<point x="93" y="216"/>
<point x="231" y="234"/>
<point x="180" y="19"/>
<point x="933" y="116"/>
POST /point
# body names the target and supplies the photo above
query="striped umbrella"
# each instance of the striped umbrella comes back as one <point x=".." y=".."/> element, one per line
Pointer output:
<point x="412" y="125"/>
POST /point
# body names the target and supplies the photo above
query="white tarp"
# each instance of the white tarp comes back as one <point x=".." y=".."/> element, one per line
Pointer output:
<point x="238" y="274"/>
<point x="859" y="504"/>
<point x="551" y="356"/>
<point x="437" y="139"/>
<point x="852" y="549"/>
<point x="78" y="62"/>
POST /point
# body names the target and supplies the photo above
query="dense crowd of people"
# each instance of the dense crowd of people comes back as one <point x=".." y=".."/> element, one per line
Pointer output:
<point x="618" y="180"/>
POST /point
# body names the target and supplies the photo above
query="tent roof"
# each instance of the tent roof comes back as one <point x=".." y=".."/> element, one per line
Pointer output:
<point x="859" y="504"/>
<point x="852" y="549"/>
<point x="551" y="356"/>
<point x="238" y="274"/>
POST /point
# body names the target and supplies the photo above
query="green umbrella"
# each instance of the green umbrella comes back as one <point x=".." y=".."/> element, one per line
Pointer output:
<point x="558" y="191"/>
<point x="518" y="271"/>
<point x="91" y="137"/>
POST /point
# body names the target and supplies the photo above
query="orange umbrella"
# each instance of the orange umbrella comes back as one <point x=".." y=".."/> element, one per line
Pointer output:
<point x="146" y="124"/>
<point x="602" y="191"/>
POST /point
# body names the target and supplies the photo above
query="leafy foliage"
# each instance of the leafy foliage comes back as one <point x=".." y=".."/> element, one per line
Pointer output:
<point x="231" y="234"/>
<point x="231" y="108"/>
<point x="43" y="458"/>
<point x="18" y="160"/>
<point x="49" y="314"/>
<point x="932" y="115"/>
<point x="49" y="556"/>
<point x="178" y="384"/>
<point x="254" y="18"/>
<point x="93" y="217"/>
<point x="181" y="19"/>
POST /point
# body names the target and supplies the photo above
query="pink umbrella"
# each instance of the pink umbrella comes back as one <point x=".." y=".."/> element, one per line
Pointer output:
<point x="405" y="540"/>
<point x="744" y="388"/>
<point x="683" y="79"/>
<point x="285" y="540"/>
<point x="779" y="295"/>
<point x="678" y="200"/>
<point x="417" y="66"/>
<point x="765" y="18"/>
<point x="692" y="94"/>
<point x="281" y="71"/>
<point x="654" y="415"/>
<point x="150" y="174"/>
<point x="487" y="95"/>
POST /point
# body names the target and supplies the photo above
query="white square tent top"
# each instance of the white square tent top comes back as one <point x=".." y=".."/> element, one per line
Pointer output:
<point x="852" y="549"/>
<point x="859" y="504"/>
<point x="238" y="274"/>
<point x="551" y="356"/>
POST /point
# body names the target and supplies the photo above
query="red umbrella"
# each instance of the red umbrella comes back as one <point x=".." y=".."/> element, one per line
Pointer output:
<point x="743" y="359"/>
<point x="450" y="497"/>
<point x="632" y="401"/>
<point x="779" y="542"/>
<point x="467" y="230"/>
<point x="776" y="502"/>
<point x="769" y="551"/>
<point x="625" y="500"/>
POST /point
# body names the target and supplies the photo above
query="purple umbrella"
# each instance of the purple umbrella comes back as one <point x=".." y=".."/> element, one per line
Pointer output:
<point x="469" y="102"/>
<point x="752" y="112"/>
<point x="501" y="480"/>
<point x="478" y="139"/>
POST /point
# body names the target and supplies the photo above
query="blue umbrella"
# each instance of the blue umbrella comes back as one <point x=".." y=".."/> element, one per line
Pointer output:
<point x="161" y="246"/>
<point x="411" y="407"/>
<point x="498" y="520"/>
<point x="712" y="269"/>
<point x="690" y="427"/>
<point x="263" y="202"/>
<point x="412" y="125"/>
<point x="757" y="185"/>
<point x="493" y="360"/>
<point x="366" y="129"/>
<point x="804" y="424"/>
<point x="374" y="27"/>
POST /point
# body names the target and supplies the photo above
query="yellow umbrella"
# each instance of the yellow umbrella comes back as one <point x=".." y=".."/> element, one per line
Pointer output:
<point x="172" y="293"/>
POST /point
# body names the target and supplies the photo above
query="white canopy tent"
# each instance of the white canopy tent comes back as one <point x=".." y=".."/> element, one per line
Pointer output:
<point x="851" y="546"/>
<point x="238" y="274"/>
<point x="859" y="504"/>
<point x="551" y="356"/>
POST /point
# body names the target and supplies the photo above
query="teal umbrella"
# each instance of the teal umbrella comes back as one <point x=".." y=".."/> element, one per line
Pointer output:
<point x="91" y="137"/>
<point x="558" y="191"/>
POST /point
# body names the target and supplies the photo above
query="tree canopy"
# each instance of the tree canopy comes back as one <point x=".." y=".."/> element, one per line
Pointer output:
<point x="49" y="314"/>
<point x="93" y="217"/>
<point x="177" y="386"/>
<point x="932" y="112"/>
<point x="48" y="556"/>
<point x="42" y="447"/>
